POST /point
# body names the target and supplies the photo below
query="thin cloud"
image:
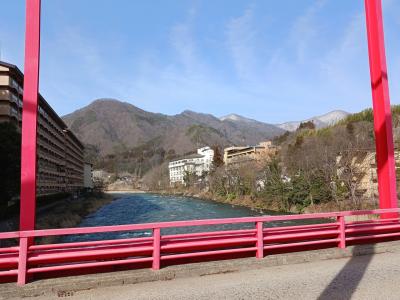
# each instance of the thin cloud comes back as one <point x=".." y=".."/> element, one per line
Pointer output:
<point x="305" y="30"/>
<point x="241" y="37"/>
<point x="346" y="65"/>
<point x="183" y="42"/>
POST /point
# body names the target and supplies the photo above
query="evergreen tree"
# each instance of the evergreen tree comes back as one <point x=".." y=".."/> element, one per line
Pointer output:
<point x="218" y="160"/>
<point x="307" y="125"/>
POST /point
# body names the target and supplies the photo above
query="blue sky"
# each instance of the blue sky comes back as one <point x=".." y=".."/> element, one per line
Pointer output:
<point x="271" y="60"/>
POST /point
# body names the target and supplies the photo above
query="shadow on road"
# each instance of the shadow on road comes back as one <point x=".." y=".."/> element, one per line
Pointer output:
<point x="346" y="281"/>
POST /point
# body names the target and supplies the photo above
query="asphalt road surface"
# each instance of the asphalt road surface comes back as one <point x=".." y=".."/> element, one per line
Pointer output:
<point x="362" y="277"/>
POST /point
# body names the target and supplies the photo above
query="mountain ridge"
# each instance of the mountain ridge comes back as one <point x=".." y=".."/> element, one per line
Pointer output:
<point x="112" y="125"/>
<point x="320" y="121"/>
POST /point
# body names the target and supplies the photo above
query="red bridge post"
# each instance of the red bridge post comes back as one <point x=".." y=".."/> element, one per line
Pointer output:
<point x="29" y="115"/>
<point x="381" y="105"/>
<point x="29" y="133"/>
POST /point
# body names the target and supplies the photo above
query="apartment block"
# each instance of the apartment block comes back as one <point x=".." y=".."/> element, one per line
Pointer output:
<point x="197" y="163"/>
<point x="363" y="170"/>
<point x="241" y="154"/>
<point x="60" y="153"/>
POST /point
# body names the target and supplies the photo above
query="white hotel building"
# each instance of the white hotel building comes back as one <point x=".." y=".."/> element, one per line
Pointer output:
<point x="195" y="163"/>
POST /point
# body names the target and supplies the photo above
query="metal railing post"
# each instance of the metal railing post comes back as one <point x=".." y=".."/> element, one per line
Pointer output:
<point x="342" y="232"/>
<point x="260" y="240"/>
<point x="156" y="248"/>
<point x="22" y="260"/>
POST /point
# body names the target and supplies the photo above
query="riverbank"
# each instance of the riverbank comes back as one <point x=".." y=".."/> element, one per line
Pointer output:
<point x="252" y="203"/>
<point x="70" y="212"/>
<point x="111" y="192"/>
<point x="260" y="204"/>
<point x="63" y="213"/>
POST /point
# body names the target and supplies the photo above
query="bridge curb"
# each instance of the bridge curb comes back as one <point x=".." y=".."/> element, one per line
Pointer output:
<point x="64" y="287"/>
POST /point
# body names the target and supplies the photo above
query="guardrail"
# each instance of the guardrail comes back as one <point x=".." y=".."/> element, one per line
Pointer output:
<point x="28" y="261"/>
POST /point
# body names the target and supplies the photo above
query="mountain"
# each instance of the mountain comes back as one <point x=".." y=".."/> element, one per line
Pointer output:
<point x="114" y="126"/>
<point x="237" y="118"/>
<point x="319" y="121"/>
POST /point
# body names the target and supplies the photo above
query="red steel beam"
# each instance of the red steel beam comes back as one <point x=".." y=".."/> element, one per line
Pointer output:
<point x="381" y="105"/>
<point x="88" y="265"/>
<point x="29" y="116"/>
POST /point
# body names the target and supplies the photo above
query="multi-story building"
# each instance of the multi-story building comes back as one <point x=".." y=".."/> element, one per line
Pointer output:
<point x="237" y="155"/>
<point x="194" y="164"/>
<point x="360" y="171"/>
<point x="88" y="176"/>
<point x="60" y="153"/>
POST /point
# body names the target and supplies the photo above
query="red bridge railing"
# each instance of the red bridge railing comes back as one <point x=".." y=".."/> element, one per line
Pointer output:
<point x="22" y="263"/>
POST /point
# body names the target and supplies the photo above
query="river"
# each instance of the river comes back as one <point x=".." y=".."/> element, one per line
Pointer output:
<point x="136" y="208"/>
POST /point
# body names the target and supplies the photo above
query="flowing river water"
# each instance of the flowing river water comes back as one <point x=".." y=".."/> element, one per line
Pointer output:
<point x="137" y="208"/>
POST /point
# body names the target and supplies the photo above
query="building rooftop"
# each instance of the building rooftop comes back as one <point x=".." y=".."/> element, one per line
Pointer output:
<point x="195" y="155"/>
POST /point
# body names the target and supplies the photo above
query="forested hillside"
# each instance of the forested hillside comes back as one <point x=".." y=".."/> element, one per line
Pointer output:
<point x="314" y="168"/>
